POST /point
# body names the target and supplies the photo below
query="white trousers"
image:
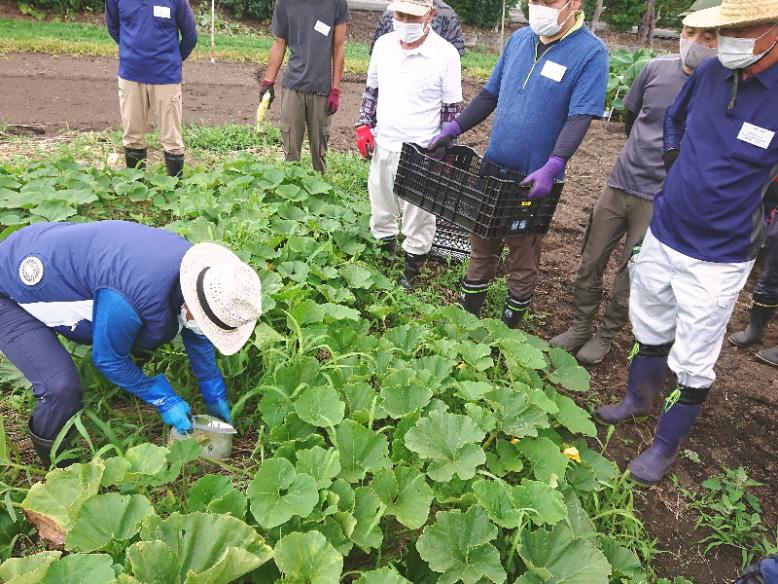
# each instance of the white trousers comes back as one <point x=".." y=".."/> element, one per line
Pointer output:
<point x="674" y="297"/>
<point x="387" y="211"/>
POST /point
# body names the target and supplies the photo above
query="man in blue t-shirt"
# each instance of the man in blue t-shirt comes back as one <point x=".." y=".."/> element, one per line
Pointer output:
<point x="547" y="87"/>
<point x="150" y="58"/>
<point x="722" y="153"/>
<point x="120" y="287"/>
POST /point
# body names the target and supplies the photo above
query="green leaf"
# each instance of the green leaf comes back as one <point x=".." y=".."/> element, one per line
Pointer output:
<point x="54" y="210"/>
<point x="457" y="545"/>
<point x="558" y="556"/>
<point x="53" y="506"/>
<point x="546" y="460"/>
<point x="277" y="493"/>
<point x="405" y="493"/>
<point x="399" y="400"/>
<point x="361" y="450"/>
<point x="368" y="510"/>
<point x="323" y="465"/>
<point x="107" y="518"/>
<point x="154" y="562"/>
<point x="517" y="415"/>
<point x="210" y="549"/>
<point x="496" y="497"/>
<point x="320" y="406"/>
<point x="572" y="417"/>
<point x="505" y="459"/>
<point x="548" y="503"/>
<point x="567" y="372"/>
<point x="407" y="338"/>
<point x="82" y="569"/>
<point x="308" y="558"/>
<point x="624" y="562"/>
<point x="477" y="355"/>
<point x="383" y="576"/>
<point x="356" y="276"/>
<point x="216" y="494"/>
<point x="448" y="442"/>
<point x="28" y="570"/>
<point x="473" y="390"/>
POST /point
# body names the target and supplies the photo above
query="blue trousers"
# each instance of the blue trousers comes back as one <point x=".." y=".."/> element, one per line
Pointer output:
<point x="36" y="351"/>
<point x="766" y="289"/>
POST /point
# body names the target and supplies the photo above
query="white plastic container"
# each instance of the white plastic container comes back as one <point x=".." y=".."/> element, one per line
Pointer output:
<point x="215" y="435"/>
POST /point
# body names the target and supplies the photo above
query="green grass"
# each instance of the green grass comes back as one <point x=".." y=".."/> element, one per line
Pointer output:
<point x="76" y="39"/>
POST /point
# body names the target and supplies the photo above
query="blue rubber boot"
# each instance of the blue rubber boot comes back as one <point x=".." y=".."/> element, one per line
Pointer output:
<point x="674" y="426"/>
<point x="646" y="377"/>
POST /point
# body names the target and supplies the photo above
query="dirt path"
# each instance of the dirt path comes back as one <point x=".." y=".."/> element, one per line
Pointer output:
<point x="738" y="427"/>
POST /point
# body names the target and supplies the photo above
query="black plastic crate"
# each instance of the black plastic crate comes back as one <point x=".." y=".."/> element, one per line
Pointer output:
<point x="480" y="196"/>
<point x="451" y="241"/>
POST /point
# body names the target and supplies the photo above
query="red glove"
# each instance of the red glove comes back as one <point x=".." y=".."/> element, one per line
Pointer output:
<point x="365" y="141"/>
<point x="333" y="101"/>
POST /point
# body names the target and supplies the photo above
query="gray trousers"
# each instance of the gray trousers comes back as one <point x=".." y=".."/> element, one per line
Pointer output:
<point x="616" y="215"/>
<point x="301" y="111"/>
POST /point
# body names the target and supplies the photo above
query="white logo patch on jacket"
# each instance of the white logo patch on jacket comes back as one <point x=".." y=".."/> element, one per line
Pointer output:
<point x="31" y="270"/>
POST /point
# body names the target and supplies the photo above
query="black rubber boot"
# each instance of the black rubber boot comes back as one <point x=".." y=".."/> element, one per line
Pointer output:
<point x="514" y="311"/>
<point x="389" y="247"/>
<point x="43" y="447"/>
<point x="472" y="296"/>
<point x="760" y="316"/>
<point x="135" y="157"/>
<point x="769" y="356"/>
<point x="174" y="164"/>
<point x="413" y="266"/>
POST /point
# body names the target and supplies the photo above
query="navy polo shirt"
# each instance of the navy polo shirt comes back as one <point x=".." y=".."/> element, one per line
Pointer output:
<point x="535" y="96"/>
<point x="711" y="205"/>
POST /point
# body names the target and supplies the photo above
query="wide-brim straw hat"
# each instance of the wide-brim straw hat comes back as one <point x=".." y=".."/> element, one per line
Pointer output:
<point x="733" y="13"/>
<point x="412" y="7"/>
<point x="223" y="294"/>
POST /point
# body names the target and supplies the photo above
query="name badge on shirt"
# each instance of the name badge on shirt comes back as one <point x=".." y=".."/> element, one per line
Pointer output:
<point x="322" y="28"/>
<point x="755" y="135"/>
<point x="162" y="11"/>
<point x="553" y="71"/>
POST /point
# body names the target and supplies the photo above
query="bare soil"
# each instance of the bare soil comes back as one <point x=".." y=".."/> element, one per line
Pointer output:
<point x="738" y="427"/>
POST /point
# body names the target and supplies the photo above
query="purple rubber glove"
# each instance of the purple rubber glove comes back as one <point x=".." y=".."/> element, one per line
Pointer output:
<point x="543" y="178"/>
<point x="447" y="135"/>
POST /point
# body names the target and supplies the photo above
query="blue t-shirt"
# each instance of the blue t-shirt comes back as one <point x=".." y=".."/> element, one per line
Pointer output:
<point x="711" y="206"/>
<point x="147" y="33"/>
<point x="536" y="96"/>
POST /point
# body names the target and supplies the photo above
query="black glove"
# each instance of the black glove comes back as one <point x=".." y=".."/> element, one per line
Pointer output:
<point x="265" y="87"/>
<point x="771" y="196"/>
<point x="669" y="157"/>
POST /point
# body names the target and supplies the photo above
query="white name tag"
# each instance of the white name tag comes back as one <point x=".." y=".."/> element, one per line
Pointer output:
<point x="322" y="28"/>
<point x="162" y="11"/>
<point x="553" y="71"/>
<point x="755" y="135"/>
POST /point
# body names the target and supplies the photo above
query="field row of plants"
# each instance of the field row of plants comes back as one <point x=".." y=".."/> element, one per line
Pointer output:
<point x="384" y="440"/>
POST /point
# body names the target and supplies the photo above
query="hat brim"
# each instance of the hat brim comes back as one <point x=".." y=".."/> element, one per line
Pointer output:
<point x="198" y="257"/>
<point x="713" y="18"/>
<point x="409" y="8"/>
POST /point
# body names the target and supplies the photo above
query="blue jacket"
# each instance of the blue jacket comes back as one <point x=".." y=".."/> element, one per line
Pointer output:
<point x="112" y="284"/>
<point x="536" y="95"/>
<point x="147" y="33"/>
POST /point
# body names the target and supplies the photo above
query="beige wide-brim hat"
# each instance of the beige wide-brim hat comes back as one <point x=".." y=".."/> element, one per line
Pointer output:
<point x="223" y="294"/>
<point x="734" y="13"/>
<point x="412" y="7"/>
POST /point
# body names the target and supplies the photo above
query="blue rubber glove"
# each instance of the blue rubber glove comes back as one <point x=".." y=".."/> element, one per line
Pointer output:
<point x="544" y="177"/>
<point x="220" y="409"/>
<point x="179" y="417"/>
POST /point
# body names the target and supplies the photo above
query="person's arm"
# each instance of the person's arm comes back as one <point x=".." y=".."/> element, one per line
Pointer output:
<point x="186" y="24"/>
<point x="280" y="29"/>
<point x="633" y="102"/>
<point x="338" y="60"/>
<point x="675" y="123"/>
<point x="571" y="136"/>
<point x="209" y="377"/>
<point x="385" y="26"/>
<point x="367" y="111"/>
<point x="275" y="60"/>
<point x="112" y="19"/>
<point x="629" y="121"/>
<point x="115" y="326"/>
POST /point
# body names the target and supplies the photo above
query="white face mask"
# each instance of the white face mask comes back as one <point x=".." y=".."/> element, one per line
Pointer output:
<point x="190" y="324"/>
<point x="409" y="32"/>
<point x="543" y="19"/>
<point x="692" y="53"/>
<point x="735" y="53"/>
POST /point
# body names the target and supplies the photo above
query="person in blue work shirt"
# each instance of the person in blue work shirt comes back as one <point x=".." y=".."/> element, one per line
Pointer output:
<point x="547" y="87"/>
<point x="154" y="39"/>
<point x="708" y="225"/>
<point x="120" y="287"/>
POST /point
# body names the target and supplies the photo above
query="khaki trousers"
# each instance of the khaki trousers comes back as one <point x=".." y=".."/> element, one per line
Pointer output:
<point x="617" y="214"/>
<point x="387" y="210"/>
<point x="298" y="112"/>
<point x="163" y="102"/>
<point x="523" y="262"/>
